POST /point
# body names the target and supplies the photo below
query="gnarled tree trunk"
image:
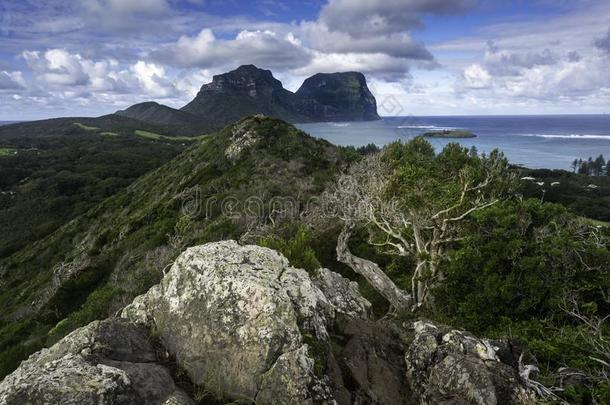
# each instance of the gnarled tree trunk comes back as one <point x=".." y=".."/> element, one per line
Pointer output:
<point x="398" y="298"/>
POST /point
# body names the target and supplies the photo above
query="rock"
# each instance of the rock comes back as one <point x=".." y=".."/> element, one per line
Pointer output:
<point x="244" y="324"/>
<point x="337" y="97"/>
<point x="342" y="293"/>
<point x="242" y="137"/>
<point x="105" y="362"/>
<point x="249" y="90"/>
<point x="447" y="366"/>
<point x="244" y="91"/>
<point x="372" y="363"/>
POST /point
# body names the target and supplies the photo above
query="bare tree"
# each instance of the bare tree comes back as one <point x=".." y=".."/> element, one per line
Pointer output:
<point x="413" y="203"/>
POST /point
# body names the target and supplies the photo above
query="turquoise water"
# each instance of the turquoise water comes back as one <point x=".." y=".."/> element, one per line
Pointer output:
<point x="534" y="141"/>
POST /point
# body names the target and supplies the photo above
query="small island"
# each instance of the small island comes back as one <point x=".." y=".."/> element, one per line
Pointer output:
<point x="446" y="133"/>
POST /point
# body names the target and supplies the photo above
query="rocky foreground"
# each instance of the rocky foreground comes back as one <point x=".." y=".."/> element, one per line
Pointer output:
<point x="238" y="323"/>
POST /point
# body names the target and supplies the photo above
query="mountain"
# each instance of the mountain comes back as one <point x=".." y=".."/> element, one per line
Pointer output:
<point x="244" y="91"/>
<point x="337" y="97"/>
<point x="100" y="260"/>
<point x="250" y="90"/>
<point x="159" y="114"/>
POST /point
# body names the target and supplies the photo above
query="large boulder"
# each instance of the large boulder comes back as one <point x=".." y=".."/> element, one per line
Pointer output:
<point x="245" y="324"/>
<point x="447" y="366"/>
<point x="105" y="362"/>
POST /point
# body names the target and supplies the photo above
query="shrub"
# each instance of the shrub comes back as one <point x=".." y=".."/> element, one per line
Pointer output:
<point x="297" y="249"/>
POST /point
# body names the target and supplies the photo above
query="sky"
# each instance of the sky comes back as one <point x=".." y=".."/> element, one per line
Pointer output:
<point x="420" y="57"/>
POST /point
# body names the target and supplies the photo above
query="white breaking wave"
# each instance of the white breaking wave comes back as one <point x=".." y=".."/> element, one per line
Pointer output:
<point x="570" y="136"/>
<point x="425" y="127"/>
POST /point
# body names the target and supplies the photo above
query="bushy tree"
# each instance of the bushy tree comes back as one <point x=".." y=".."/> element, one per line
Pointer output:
<point x="523" y="260"/>
<point x="415" y="202"/>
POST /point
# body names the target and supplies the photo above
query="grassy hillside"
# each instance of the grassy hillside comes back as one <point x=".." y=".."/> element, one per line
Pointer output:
<point x="100" y="260"/>
<point x="53" y="170"/>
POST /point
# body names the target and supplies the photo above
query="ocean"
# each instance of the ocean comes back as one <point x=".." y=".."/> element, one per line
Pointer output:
<point x="542" y="141"/>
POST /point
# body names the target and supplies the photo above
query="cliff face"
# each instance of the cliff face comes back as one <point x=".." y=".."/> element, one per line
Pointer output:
<point x="250" y="90"/>
<point x="246" y="90"/>
<point x="337" y="97"/>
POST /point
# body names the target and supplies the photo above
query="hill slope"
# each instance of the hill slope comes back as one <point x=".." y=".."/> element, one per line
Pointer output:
<point x="54" y="170"/>
<point x="159" y="114"/>
<point x="103" y="258"/>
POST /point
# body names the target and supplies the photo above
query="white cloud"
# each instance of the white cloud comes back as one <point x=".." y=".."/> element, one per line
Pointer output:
<point x="525" y="77"/>
<point x="507" y="63"/>
<point x="381" y="65"/>
<point x="265" y="48"/>
<point x="11" y="80"/>
<point x="399" y="45"/>
<point x="57" y="67"/>
<point x="152" y="79"/>
<point x="477" y="77"/>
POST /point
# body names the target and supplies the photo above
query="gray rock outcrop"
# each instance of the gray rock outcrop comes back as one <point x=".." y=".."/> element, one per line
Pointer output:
<point x="446" y="366"/>
<point x="245" y="324"/>
<point x="105" y="362"/>
<point x="240" y="324"/>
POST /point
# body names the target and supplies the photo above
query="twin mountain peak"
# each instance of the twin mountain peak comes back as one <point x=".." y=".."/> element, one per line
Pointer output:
<point x="249" y="90"/>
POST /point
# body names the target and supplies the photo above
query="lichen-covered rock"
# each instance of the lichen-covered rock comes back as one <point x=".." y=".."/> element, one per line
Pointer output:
<point x="242" y="137"/>
<point x="454" y="367"/>
<point x="244" y="325"/>
<point x="342" y="293"/>
<point x="240" y="320"/>
<point x="106" y="362"/>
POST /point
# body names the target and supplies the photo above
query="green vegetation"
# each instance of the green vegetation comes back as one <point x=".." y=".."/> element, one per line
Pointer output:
<point x="98" y="302"/>
<point x="500" y="256"/>
<point x="446" y="133"/>
<point x="499" y="265"/>
<point x="532" y="271"/>
<point x="592" y="167"/>
<point x="7" y="151"/>
<point x="296" y="247"/>
<point x="158" y="137"/>
<point x="122" y="244"/>
<point x="53" y="179"/>
<point x="587" y="196"/>
<point x="595" y="222"/>
<point x="86" y="127"/>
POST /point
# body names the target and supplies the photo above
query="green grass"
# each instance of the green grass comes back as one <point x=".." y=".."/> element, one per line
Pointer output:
<point x="86" y="127"/>
<point x="159" y="137"/>
<point x="109" y="134"/>
<point x="449" y="134"/>
<point x="7" y="151"/>
<point x="596" y="222"/>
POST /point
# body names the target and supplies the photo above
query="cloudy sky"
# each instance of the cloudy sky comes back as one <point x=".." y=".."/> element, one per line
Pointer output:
<point x="421" y="57"/>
